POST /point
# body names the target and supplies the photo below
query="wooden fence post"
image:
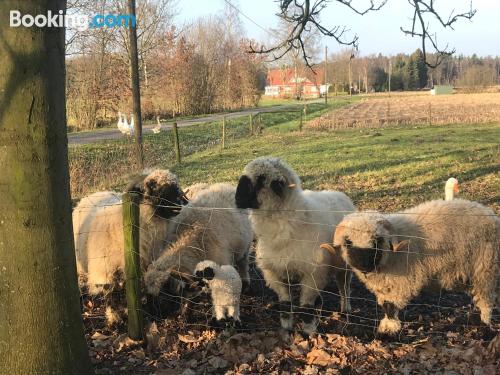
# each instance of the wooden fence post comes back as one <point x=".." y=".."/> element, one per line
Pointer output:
<point x="251" y="123"/>
<point x="300" y="121"/>
<point x="223" y="131"/>
<point x="305" y="113"/>
<point x="130" y="208"/>
<point x="176" y="143"/>
<point x="430" y="114"/>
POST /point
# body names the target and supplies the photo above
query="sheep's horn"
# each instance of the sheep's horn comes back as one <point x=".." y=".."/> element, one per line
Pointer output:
<point x="328" y="247"/>
<point x="182" y="275"/>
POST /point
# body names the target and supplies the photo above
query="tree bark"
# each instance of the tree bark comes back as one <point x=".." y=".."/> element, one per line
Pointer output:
<point x="41" y="330"/>
<point x="135" y="84"/>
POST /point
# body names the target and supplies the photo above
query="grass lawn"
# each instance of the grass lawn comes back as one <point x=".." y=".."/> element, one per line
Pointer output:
<point x="383" y="169"/>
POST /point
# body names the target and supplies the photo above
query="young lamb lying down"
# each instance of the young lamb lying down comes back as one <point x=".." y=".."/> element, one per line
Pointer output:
<point x="200" y="233"/>
<point x="224" y="283"/>
<point x="456" y="243"/>
<point x="290" y="224"/>
<point x="98" y="227"/>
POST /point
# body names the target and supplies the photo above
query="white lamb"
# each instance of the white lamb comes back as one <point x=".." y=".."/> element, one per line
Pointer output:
<point x="209" y="227"/>
<point x="225" y="286"/>
<point x="98" y="227"/>
<point x="290" y="224"/>
<point x="456" y="243"/>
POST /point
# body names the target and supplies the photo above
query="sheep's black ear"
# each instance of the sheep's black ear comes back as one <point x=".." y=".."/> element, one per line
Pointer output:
<point x="278" y="186"/>
<point x="244" y="192"/>
<point x="136" y="185"/>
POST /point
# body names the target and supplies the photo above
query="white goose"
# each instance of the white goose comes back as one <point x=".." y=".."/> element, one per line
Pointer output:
<point x="121" y="124"/>
<point x="450" y="188"/>
<point x="157" y="128"/>
<point x="131" y="127"/>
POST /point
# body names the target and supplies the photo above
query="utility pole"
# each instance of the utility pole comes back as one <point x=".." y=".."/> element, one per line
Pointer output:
<point x="390" y="73"/>
<point x="350" y="73"/>
<point x="135" y="84"/>
<point x="326" y="82"/>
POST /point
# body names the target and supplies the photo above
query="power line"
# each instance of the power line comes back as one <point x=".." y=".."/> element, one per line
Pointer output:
<point x="248" y="18"/>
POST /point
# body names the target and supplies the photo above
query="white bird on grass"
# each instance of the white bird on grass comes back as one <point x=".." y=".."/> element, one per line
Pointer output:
<point x="450" y="188"/>
<point x="157" y="128"/>
<point x="131" y="126"/>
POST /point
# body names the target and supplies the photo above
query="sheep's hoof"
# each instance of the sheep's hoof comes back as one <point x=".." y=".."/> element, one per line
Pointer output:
<point x="286" y="320"/>
<point x="245" y="287"/>
<point x="389" y="326"/>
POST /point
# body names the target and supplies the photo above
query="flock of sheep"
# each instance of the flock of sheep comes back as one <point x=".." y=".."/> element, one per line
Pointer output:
<point x="200" y="239"/>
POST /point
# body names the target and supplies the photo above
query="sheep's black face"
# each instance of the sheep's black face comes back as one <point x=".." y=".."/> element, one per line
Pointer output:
<point x="168" y="199"/>
<point x="364" y="259"/>
<point x="207" y="274"/>
<point x="247" y="192"/>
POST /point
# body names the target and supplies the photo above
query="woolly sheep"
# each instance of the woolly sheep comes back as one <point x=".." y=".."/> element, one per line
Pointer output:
<point x="290" y="224"/>
<point x="193" y="190"/>
<point x="395" y="255"/>
<point x="98" y="227"/>
<point x="224" y="283"/>
<point x="199" y="233"/>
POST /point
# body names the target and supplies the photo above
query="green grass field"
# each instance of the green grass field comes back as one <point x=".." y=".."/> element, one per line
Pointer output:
<point x="385" y="169"/>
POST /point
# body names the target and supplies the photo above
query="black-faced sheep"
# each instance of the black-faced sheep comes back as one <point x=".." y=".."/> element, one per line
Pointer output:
<point x="209" y="227"/>
<point x="98" y="227"/>
<point x="290" y="224"/>
<point x="224" y="283"/>
<point x="396" y="255"/>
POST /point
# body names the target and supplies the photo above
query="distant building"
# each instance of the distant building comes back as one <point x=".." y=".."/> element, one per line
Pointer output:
<point x="284" y="83"/>
<point x="442" y="90"/>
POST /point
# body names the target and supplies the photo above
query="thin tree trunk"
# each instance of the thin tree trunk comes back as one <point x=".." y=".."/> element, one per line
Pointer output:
<point x="41" y="330"/>
<point x="136" y="89"/>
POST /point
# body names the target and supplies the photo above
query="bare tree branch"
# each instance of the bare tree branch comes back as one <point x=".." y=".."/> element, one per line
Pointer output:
<point x="303" y="16"/>
<point x="424" y="8"/>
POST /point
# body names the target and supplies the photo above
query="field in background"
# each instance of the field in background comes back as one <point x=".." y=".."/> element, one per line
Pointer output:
<point x="413" y="108"/>
<point x="103" y="166"/>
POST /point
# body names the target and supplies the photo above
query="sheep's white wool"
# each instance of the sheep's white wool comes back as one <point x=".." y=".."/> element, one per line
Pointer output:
<point x="98" y="233"/>
<point x="290" y="224"/>
<point x="455" y="242"/>
<point x="225" y="289"/>
<point x="200" y="233"/>
<point x="193" y="190"/>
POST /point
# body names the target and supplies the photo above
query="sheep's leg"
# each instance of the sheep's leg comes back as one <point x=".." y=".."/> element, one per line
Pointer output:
<point x="233" y="311"/>
<point x="312" y="285"/>
<point x="219" y="311"/>
<point x="343" y="280"/>
<point x="390" y="324"/>
<point x="242" y="267"/>
<point x="484" y="302"/>
<point x="281" y="289"/>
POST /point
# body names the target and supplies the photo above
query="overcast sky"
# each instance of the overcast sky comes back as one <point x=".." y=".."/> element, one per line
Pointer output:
<point x="377" y="31"/>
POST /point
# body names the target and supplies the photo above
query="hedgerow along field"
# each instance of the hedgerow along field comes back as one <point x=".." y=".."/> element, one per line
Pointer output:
<point x="385" y="169"/>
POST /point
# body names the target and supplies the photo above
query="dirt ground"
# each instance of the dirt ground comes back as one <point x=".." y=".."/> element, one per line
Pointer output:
<point x="441" y="334"/>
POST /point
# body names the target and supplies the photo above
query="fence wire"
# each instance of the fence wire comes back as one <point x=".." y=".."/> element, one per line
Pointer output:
<point x="436" y="312"/>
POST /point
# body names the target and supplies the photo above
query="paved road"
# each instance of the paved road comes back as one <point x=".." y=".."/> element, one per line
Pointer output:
<point x="82" y="138"/>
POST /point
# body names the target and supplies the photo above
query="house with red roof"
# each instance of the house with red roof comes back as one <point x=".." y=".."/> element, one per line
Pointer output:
<point x="295" y="83"/>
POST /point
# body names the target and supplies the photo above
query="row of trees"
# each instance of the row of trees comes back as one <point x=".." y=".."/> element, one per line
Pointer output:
<point x="198" y="68"/>
<point x="409" y="72"/>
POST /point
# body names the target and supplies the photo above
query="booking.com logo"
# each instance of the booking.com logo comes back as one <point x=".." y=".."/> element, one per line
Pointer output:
<point x="77" y="21"/>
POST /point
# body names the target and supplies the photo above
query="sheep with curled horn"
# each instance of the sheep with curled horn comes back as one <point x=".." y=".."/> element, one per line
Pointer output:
<point x="455" y="243"/>
<point x="209" y="227"/>
<point x="290" y="224"/>
<point x="98" y="227"/>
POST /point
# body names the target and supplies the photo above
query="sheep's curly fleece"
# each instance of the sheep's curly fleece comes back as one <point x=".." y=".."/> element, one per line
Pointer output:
<point x="289" y="230"/>
<point x="225" y="289"/>
<point x="199" y="233"/>
<point x="456" y="242"/>
<point x="98" y="234"/>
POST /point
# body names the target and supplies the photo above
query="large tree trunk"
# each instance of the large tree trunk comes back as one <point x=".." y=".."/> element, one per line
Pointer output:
<point x="41" y="330"/>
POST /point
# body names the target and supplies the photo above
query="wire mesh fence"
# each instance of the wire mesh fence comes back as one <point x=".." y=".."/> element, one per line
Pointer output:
<point x="435" y="311"/>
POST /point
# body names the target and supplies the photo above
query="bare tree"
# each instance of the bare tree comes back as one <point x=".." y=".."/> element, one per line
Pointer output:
<point x="304" y="17"/>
